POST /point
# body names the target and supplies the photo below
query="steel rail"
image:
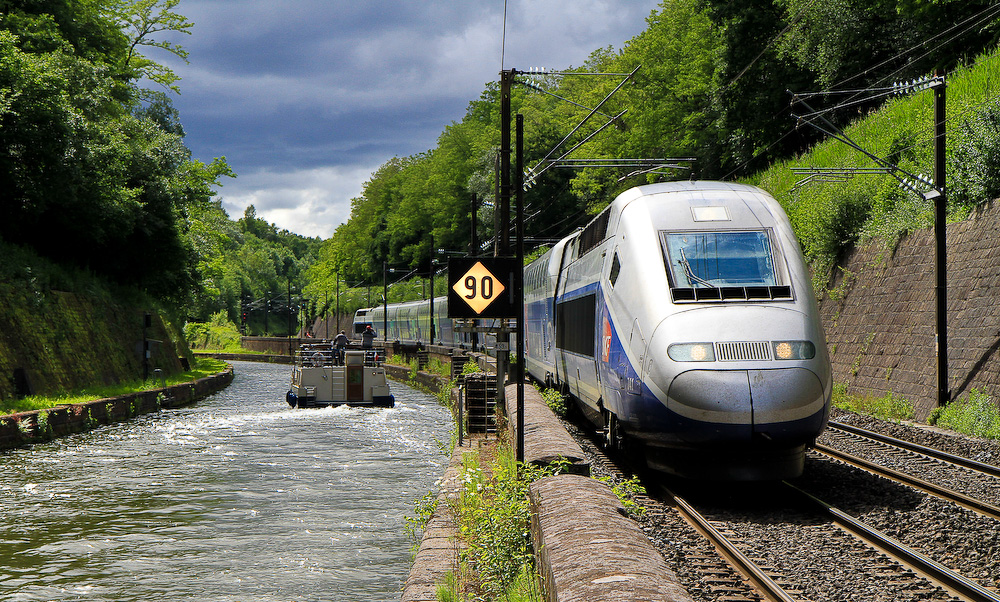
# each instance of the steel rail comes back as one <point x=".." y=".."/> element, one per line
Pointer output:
<point x="931" y="569"/>
<point x="944" y="493"/>
<point x="764" y="584"/>
<point x="969" y="463"/>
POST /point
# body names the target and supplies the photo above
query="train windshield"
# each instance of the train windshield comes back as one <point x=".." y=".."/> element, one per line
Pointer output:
<point x="719" y="259"/>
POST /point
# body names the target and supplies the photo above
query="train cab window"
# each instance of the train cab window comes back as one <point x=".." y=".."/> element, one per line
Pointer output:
<point x="734" y="265"/>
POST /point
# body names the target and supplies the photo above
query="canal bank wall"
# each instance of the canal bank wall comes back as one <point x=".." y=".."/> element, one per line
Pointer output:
<point x="37" y="426"/>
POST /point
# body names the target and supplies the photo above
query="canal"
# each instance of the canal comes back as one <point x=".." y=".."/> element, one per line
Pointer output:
<point x="237" y="497"/>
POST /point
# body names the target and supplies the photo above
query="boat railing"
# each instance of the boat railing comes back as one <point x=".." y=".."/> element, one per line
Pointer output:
<point x="323" y="355"/>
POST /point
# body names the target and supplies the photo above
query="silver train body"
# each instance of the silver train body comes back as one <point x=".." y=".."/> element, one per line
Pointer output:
<point x="682" y="322"/>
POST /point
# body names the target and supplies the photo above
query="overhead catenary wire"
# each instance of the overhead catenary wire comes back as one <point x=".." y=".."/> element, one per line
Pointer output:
<point x="962" y="28"/>
<point x="837" y="134"/>
<point x="556" y="96"/>
<point x="592" y="112"/>
<point x="980" y="17"/>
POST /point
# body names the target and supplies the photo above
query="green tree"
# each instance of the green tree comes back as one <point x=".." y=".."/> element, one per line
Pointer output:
<point x="141" y="21"/>
<point x="92" y="175"/>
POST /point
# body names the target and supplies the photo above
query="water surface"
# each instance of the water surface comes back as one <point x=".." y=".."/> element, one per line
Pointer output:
<point x="237" y="497"/>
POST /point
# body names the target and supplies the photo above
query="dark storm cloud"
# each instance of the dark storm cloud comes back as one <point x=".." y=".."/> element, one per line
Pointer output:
<point x="306" y="98"/>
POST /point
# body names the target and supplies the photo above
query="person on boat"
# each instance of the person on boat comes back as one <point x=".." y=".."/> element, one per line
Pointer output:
<point x="367" y="337"/>
<point x="340" y="342"/>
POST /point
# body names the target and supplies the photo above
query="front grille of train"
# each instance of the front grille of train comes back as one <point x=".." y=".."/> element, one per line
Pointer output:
<point x="743" y="351"/>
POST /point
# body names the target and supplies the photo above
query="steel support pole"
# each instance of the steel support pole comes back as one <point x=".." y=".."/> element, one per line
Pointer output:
<point x="519" y="279"/>
<point x="503" y="224"/>
<point x="385" y="304"/>
<point x="473" y="251"/>
<point x="940" y="238"/>
<point x="432" y="295"/>
<point x="289" y="321"/>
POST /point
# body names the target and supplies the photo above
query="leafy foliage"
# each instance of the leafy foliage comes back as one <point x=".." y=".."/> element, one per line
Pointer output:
<point x="494" y="519"/>
<point x="890" y="407"/>
<point x="712" y="84"/>
<point x="96" y="172"/>
<point x="976" y="158"/>
<point x="248" y="265"/>
<point x="555" y="400"/>
<point x="976" y="414"/>
<point x="93" y="174"/>
<point x="830" y="217"/>
<point x="218" y="334"/>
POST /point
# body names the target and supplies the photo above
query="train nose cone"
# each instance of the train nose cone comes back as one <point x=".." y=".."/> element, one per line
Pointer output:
<point x="712" y="396"/>
<point x="779" y="404"/>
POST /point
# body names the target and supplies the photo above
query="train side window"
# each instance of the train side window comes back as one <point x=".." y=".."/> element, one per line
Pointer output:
<point x="616" y="267"/>
<point x="575" y="320"/>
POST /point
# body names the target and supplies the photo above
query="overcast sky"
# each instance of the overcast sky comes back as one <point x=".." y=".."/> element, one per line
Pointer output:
<point x="307" y="98"/>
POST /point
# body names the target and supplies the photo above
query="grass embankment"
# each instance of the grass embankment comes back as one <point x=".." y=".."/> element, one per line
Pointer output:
<point x="64" y="329"/>
<point x="203" y="367"/>
<point x="830" y="216"/>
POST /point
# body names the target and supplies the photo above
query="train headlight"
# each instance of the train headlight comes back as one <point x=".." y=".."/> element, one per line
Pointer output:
<point x="793" y="350"/>
<point x="691" y="352"/>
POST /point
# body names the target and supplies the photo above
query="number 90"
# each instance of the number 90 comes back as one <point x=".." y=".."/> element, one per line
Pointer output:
<point x="484" y="287"/>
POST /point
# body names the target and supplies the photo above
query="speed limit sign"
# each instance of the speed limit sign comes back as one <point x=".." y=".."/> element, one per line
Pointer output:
<point x="483" y="287"/>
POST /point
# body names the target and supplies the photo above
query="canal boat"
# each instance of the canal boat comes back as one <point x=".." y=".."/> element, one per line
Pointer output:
<point x="323" y="376"/>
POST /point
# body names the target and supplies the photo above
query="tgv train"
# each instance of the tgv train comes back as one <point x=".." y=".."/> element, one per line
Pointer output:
<point x="682" y="321"/>
<point x="410" y="323"/>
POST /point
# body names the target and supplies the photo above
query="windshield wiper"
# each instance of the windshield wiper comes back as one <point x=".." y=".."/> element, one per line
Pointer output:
<point x="690" y="273"/>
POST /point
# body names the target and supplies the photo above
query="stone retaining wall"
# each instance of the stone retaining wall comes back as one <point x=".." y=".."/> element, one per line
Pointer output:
<point x="25" y="428"/>
<point x="546" y="440"/>
<point x="879" y="315"/>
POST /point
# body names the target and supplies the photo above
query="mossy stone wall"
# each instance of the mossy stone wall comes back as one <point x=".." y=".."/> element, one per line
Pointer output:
<point x="53" y="341"/>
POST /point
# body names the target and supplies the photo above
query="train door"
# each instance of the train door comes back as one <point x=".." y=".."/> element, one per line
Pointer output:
<point x="637" y="349"/>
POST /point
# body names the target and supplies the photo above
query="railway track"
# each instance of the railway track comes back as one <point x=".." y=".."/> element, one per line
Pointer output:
<point x="904" y="569"/>
<point x="892" y="542"/>
<point x="928" y="462"/>
<point x="956" y="478"/>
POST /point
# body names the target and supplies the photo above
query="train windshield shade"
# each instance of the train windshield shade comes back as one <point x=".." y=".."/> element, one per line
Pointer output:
<point x="719" y="259"/>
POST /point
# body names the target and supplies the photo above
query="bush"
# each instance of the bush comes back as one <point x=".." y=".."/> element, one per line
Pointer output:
<point x="889" y="407"/>
<point x="555" y="400"/>
<point x="976" y="414"/>
<point x="218" y="334"/>
<point x="975" y="165"/>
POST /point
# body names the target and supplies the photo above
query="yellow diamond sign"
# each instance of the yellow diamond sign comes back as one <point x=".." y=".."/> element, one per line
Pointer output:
<point x="478" y="287"/>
